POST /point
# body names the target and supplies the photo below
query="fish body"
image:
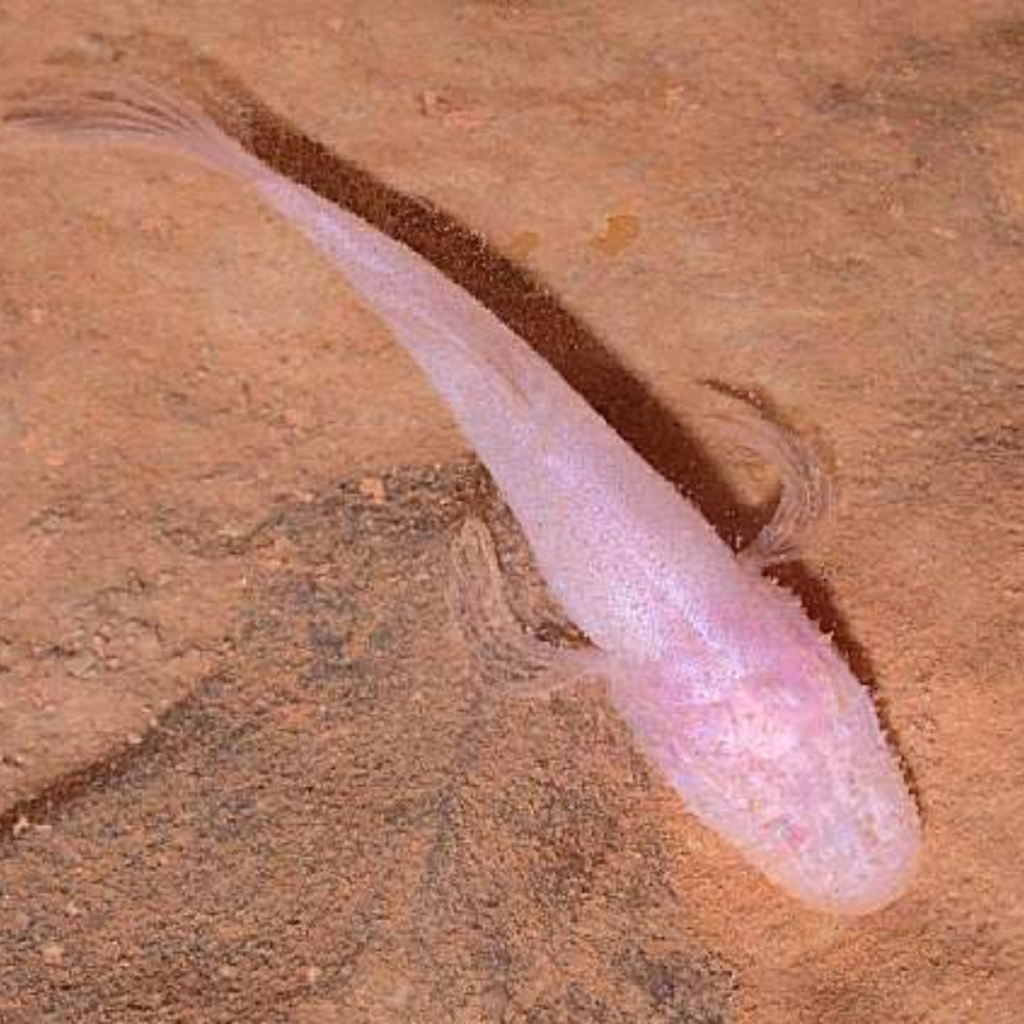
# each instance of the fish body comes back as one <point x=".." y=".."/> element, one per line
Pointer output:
<point x="736" y="696"/>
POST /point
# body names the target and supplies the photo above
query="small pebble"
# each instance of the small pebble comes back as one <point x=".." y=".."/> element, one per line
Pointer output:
<point x="53" y="954"/>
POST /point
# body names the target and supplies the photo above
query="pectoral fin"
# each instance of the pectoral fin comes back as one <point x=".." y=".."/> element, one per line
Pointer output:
<point x="807" y="493"/>
<point x="522" y="665"/>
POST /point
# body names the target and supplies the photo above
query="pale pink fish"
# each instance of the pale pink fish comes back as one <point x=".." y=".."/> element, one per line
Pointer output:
<point x="729" y="688"/>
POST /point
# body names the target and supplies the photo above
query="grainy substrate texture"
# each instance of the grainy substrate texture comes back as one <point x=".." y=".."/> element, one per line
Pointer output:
<point x="325" y="830"/>
<point x="248" y="770"/>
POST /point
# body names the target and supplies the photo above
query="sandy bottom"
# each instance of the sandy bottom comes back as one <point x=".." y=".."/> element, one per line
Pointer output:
<point x="248" y="769"/>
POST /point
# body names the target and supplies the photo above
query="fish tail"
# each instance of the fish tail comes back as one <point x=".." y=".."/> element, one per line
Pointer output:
<point x="129" y="110"/>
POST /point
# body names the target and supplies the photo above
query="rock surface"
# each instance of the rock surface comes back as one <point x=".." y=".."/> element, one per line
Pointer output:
<point x="247" y="770"/>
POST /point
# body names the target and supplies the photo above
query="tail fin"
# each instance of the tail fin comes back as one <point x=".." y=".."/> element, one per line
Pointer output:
<point x="132" y="111"/>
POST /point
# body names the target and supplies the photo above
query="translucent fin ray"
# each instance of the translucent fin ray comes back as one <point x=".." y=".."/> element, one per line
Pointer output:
<point x="807" y="493"/>
<point x="522" y="665"/>
<point x="128" y="110"/>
